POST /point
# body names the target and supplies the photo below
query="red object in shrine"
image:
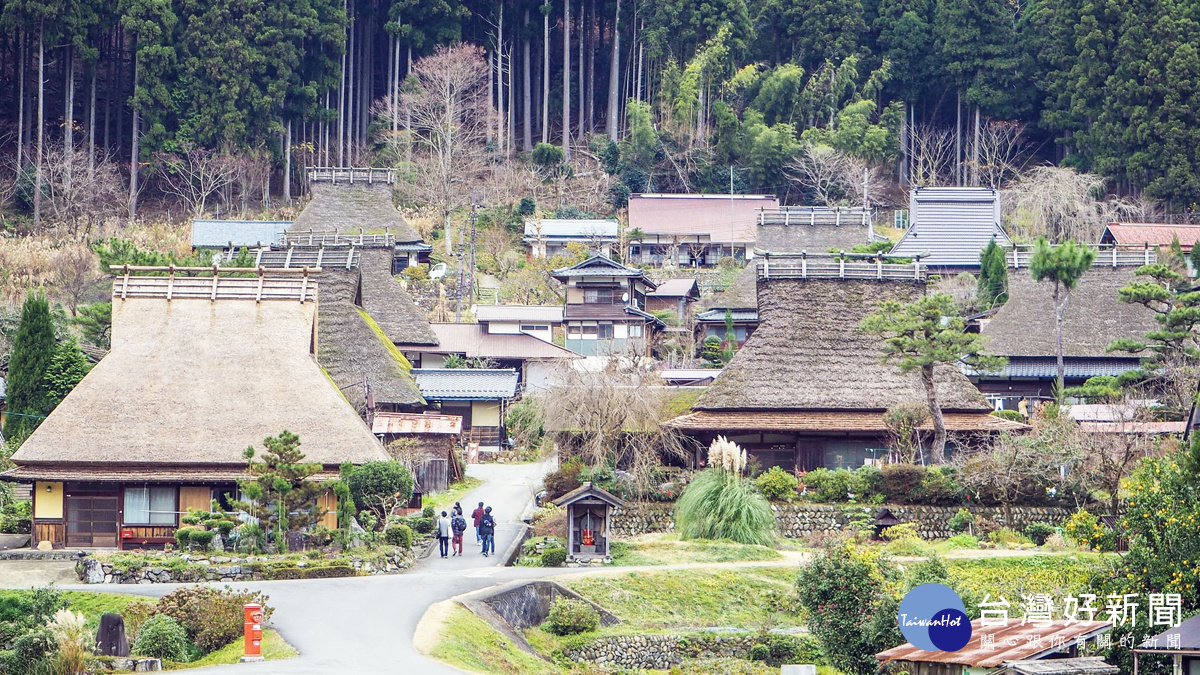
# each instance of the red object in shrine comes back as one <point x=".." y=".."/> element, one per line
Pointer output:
<point x="588" y="538"/>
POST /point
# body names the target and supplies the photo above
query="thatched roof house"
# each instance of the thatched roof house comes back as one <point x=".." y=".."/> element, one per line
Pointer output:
<point x="1024" y="331"/>
<point x="200" y="369"/>
<point x="808" y="388"/>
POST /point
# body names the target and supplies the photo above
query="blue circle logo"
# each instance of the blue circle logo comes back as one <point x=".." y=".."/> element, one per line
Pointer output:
<point x="933" y="618"/>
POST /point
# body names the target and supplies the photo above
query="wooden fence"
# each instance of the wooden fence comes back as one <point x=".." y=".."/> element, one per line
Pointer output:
<point x="335" y="175"/>
<point x="1019" y="256"/>
<point x="834" y="266"/>
<point x="220" y="283"/>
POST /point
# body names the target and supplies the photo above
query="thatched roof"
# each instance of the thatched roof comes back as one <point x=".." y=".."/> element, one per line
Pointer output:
<point x="351" y="346"/>
<point x="194" y="382"/>
<point x="1095" y="316"/>
<point x="760" y="421"/>
<point x="742" y="293"/>
<point x="808" y="354"/>
<point x="353" y="207"/>
<point x="389" y="304"/>
<point x="816" y="238"/>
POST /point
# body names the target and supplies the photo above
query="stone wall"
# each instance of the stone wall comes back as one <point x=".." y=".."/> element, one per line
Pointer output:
<point x="225" y="569"/>
<point x="528" y="604"/>
<point x="659" y="652"/>
<point x="796" y="521"/>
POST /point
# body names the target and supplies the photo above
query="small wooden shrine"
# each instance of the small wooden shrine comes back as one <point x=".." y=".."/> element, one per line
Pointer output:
<point x="589" y="509"/>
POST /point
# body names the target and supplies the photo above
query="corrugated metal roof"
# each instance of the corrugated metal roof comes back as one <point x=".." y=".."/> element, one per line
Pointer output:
<point x="1086" y="665"/>
<point x="1108" y="412"/>
<point x="1187" y="632"/>
<point x="221" y="233"/>
<point x="444" y="384"/>
<point x="537" y="313"/>
<point x="676" y="288"/>
<point x="415" y="423"/>
<point x="1015" y="641"/>
<point x="723" y="218"/>
<point x="950" y="226"/>
<point x="471" y="339"/>
<point x="1154" y="234"/>
<point x="718" y="315"/>
<point x="563" y="228"/>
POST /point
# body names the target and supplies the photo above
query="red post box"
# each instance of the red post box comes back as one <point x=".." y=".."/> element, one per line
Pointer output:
<point x="253" y="632"/>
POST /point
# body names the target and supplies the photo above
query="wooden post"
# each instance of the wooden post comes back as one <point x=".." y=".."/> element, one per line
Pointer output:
<point x="842" y="265"/>
<point x="879" y="267"/>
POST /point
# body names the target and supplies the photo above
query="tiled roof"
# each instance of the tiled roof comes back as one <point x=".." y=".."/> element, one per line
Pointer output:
<point x="1154" y="234"/>
<point x="222" y="233"/>
<point x="718" y="315"/>
<point x="1016" y="641"/>
<point x="471" y="339"/>
<point x="1048" y="367"/>
<point x="599" y="266"/>
<point x="536" y="313"/>
<point x="826" y="420"/>
<point x="442" y="384"/>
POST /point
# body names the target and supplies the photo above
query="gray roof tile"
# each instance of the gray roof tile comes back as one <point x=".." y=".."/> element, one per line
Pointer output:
<point x="440" y="384"/>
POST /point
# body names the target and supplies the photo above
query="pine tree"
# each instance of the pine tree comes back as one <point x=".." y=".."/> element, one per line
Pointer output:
<point x="34" y="349"/>
<point x="1063" y="266"/>
<point x="279" y="489"/>
<point x="993" y="277"/>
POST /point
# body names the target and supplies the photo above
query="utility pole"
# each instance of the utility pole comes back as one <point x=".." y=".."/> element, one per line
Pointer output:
<point x="471" y="272"/>
<point x="461" y="281"/>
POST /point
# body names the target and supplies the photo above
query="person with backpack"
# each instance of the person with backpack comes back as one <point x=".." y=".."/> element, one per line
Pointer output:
<point x="458" y="525"/>
<point x="457" y="510"/>
<point x="476" y="516"/>
<point x="487" y="530"/>
<point x="443" y="533"/>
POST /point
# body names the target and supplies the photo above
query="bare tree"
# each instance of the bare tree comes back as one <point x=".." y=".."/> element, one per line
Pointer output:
<point x="76" y="270"/>
<point x="79" y="202"/>
<point x="821" y="169"/>
<point x="195" y="175"/>
<point x="1061" y="203"/>
<point x="1110" y="452"/>
<point x="1001" y="150"/>
<point x="932" y="156"/>
<point x="612" y="417"/>
<point x="446" y="106"/>
<point x="903" y="420"/>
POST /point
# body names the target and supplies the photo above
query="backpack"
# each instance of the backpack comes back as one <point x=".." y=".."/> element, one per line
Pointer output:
<point x="458" y="525"/>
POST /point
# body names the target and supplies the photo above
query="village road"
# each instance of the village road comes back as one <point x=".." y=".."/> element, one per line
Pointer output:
<point x="366" y="624"/>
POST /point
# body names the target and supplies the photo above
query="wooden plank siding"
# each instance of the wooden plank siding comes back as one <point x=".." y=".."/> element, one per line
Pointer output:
<point x="51" y="530"/>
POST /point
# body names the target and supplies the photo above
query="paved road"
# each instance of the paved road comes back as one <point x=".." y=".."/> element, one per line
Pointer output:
<point x="366" y="624"/>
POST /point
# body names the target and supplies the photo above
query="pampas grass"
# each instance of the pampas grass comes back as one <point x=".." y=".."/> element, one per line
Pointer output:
<point x="718" y="504"/>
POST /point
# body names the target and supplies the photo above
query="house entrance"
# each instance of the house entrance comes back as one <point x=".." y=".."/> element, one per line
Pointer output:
<point x="92" y="520"/>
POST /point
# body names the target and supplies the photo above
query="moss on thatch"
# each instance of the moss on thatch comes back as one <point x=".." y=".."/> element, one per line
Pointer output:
<point x="383" y="339"/>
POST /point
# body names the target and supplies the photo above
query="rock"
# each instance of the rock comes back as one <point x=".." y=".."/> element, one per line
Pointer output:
<point x="148" y="666"/>
<point x="44" y="545"/>
<point x="93" y="571"/>
<point x="123" y="664"/>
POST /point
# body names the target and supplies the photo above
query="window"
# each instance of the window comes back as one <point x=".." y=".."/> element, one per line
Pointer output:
<point x="635" y="330"/>
<point x="526" y="327"/>
<point x="598" y="296"/>
<point x="589" y="330"/>
<point x="605" y="331"/>
<point x="150" y="505"/>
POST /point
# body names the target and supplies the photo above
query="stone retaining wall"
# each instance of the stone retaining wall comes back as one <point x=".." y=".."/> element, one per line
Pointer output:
<point x="225" y="569"/>
<point x="796" y="521"/>
<point x="659" y="652"/>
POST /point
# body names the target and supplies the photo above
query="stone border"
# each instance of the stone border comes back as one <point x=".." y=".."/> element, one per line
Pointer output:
<point x="498" y="605"/>
<point x="227" y="569"/>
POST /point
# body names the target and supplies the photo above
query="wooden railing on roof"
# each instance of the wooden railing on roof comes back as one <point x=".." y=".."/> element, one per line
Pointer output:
<point x="351" y="175"/>
<point x="215" y="283"/>
<point x="1106" y="256"/>
<point x="814" y="215"/>
<point x="806" y="265"/>
<point x="314" y="238"/>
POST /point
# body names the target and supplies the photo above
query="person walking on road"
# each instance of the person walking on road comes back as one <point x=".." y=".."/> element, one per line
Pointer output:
<point x="458" y="525"/>
<point x="487" y="530"/>
<point x="476" y="516"/>
<point x="457" y="510"/>
<point x="443" y="532"/>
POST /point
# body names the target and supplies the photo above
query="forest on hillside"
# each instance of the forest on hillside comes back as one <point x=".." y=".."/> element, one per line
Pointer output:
<point x="107" y="105"/>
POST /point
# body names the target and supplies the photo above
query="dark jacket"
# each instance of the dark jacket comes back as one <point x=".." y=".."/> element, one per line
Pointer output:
<point x="487" y="524"/>
<point x="458" y="524"/>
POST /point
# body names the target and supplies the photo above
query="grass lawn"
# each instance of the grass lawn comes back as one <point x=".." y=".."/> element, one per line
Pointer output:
<point x="455" y="493"/>
<point x="746" y="597"/>
<point x="469" y="643"/>
<point x="667" y="549"/>
<point x="274" y="648"/>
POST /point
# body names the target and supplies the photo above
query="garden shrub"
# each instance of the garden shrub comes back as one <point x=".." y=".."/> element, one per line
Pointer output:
<point x="777" y="485"/>
<point x="16" y="517"/>
<point x="422" y="525"/>
<point x="777" y="650"/>
<point x="162" y="637"/>
<point x="564" y="479"/>
<point x="759" y="652"/>
<point x="902" y="482"/>
<point x="183" y="536"/>
<point x="865" y="483"/>
<point x="1008" y="537"/>
<point x="554" y="557"/>
<point x="550" y="521"/>
<point x="827" y="485"/>
<point x="939" y="487"/>
<point x="903" y="540"/>
<point x="398" y="534"/>
<point x="901" y="531"/>
<point x="212" y="617"/>
<point x="569" y="616"/>
<point x="1039" y="531"/>
<point x="1010" y="415"/>
<point x="961" y="521"/>
<point x="721" y="505"/>
<point x="201" y="539"/>
<point x="429" y="512"/>
<point x="1086" y="530"/>
<point x="135" y="614"/>
<point x="380" y="486"/>
<point x="964" y="540"/>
